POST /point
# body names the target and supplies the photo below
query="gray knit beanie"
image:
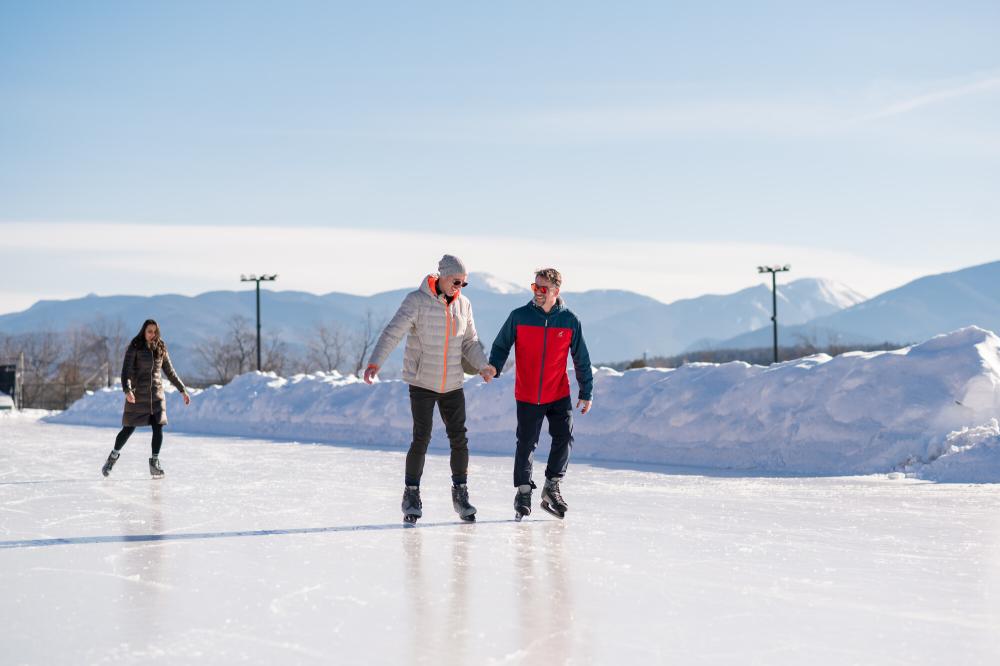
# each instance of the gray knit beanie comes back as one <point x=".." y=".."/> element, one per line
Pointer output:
<point x="451" y="265"/>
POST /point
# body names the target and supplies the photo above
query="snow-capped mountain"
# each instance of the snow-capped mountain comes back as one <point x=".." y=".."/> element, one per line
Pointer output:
<point x="925" y="307"/>
<point x="488" y="282"/>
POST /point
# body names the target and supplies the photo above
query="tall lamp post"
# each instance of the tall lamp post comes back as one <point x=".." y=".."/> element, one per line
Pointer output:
<point x="774" y="270"/>
<point x="258" y="280"/>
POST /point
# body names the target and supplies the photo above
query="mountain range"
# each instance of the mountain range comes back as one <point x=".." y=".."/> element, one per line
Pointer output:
<point x="618" y="324"/>
<point x="918" y="310"/>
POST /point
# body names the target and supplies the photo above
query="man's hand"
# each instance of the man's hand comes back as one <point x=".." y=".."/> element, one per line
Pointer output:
<point x="187" y="399"/>
<point x="130" y="397"/>
<point x="488" y="373"/>
<point x="370" y="373"/>
<point x="584" y="405"/>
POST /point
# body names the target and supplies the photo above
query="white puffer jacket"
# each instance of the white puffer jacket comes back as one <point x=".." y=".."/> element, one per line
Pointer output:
<point x="438" y="336"/>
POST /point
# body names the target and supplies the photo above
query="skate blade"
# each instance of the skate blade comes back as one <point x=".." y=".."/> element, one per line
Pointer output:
<point x="550" y="510"/>
<point x="410" y="519"/>
<point x="469" y="519"/>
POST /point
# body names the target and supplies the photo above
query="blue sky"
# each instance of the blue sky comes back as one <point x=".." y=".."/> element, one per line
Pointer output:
<point x="860" y="142"/>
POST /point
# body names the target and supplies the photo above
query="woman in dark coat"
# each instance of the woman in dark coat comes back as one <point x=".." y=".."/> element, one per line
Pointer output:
<point x="145" y="356"/>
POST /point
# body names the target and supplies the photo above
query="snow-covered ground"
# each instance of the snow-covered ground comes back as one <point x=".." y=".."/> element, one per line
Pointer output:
<point x="930" y="410"/>
<point x="257" y="551"/>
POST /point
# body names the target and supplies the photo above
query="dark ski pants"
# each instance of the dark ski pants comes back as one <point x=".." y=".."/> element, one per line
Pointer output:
<point x="529" y="426"/>
<point x="127" y="432"/>
<point x="451" y="405"/>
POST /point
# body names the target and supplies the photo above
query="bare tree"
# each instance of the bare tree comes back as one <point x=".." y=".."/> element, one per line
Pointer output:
<point x="231" y="354"/>
<point x="275" y="356"/>
<point x="365" y="336"/>
<point x="106" y="344"/>
<point x="72" y="368"/>
<point x="327" y="350"/>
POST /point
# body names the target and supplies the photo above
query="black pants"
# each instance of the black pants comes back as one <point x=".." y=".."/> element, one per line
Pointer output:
<point x="451" y="405"/>
<point x="127" y="432"/>
<point x="529" y="426"/>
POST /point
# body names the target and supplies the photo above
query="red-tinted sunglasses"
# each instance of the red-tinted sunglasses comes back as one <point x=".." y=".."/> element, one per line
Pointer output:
<point x="539" y="289"/>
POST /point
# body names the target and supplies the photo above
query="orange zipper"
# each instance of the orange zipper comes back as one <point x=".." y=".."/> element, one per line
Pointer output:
<point x="447" y="334"/>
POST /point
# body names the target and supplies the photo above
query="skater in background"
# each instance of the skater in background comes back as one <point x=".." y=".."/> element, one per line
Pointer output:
<point x="145" y="405"/>
<point x="543" y="332"/>
<point x="437" y="320"/>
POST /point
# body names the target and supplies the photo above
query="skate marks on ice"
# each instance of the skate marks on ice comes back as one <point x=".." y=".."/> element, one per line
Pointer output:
<point x="131" y="538"/>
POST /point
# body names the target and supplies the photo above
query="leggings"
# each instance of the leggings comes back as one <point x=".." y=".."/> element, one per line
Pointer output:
<point x="127" y="432"/>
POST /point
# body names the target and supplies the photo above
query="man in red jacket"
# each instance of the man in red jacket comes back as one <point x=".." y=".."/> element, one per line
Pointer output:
<point x="543" y="333"/>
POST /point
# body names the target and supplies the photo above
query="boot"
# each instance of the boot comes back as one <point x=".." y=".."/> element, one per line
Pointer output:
<point x="110" y="462"/>
<point x="552" y="500"/>
<point x="154" y="468"/>
<point x="522" y="501"/>
<point x="412" y="506"/>
<point x="460" y="500"/>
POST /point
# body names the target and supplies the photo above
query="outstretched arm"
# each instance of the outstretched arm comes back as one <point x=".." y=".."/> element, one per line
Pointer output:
<point x="502" y="344"/>
<point x="168" y="370"/>
<point x="128" y="373"/>
<point x="398" y="326"/>
<point x="472" y="349"/>
<point x="583" y="369"/>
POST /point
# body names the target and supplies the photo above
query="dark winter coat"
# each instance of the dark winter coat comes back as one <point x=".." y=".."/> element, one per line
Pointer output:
<point x="141" y="375"/>
<point x="542" y="342"/>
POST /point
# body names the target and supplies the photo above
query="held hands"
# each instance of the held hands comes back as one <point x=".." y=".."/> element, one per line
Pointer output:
<point x="370" y="373"/>
<point x="584" y="405"/>
<point x="488" y="373"/>
<point x="130" y="397"/>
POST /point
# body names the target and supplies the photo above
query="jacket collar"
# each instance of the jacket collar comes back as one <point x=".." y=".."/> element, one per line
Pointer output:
<point x="560" y="305"/>
<point x="429" y="287"/>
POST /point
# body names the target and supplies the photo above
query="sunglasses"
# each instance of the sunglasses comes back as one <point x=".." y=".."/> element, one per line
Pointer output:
<point x="459" y="283"/>
<point x="539" y="289"/>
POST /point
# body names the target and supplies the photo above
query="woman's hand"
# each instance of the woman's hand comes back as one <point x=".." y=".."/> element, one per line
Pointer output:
<point x="187" y="399"/>
<point x="130" y="397"/>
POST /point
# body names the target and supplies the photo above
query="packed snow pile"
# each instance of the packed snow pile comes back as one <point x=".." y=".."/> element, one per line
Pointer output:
<point x="929" y="409"/>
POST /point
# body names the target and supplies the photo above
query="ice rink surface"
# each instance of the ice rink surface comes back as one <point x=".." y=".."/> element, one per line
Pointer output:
<point x="255" y="551"/>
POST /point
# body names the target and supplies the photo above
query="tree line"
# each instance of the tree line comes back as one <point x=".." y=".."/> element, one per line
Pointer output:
<point x="59" y="366"/>
<point x="754" y="356"/>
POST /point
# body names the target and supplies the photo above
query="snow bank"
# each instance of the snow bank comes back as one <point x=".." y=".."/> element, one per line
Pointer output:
<point x="926" y="409"/>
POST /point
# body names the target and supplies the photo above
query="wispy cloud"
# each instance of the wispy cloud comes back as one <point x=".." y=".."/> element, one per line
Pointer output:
<point x="937" y="96"/>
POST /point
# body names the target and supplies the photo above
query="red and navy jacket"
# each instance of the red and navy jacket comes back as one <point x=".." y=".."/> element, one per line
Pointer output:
<point x="541" y="344"/>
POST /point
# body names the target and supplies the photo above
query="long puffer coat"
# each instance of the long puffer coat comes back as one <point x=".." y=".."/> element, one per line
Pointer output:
<point x="439" y="335"/>
<point x="141" y="375"/>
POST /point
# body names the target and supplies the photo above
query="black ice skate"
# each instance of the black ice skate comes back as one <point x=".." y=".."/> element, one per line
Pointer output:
<point x="412" y="506"/>
<point x="552" y="500"/>
<point x="154" y="468"/>
<point x="112" y="459"/>
<point x="460" y="500"/>
<point x="522" y="501"/>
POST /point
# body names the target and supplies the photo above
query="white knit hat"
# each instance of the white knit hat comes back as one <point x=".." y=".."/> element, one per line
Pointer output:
<point x="451" y="265"/>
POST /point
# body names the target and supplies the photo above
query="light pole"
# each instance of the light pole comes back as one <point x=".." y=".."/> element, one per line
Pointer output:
<point x="774" y="270"/>
<point x="258" y="280"/>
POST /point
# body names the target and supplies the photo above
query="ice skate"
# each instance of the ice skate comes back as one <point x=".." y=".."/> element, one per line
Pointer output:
<point x="110" y="462"/>
<point x="552" y="500"/>
<point x="155" y="469"/>
<point x="460" y="500"/>
<point x="412" y="506"/>
<point x="522" y="501"/>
